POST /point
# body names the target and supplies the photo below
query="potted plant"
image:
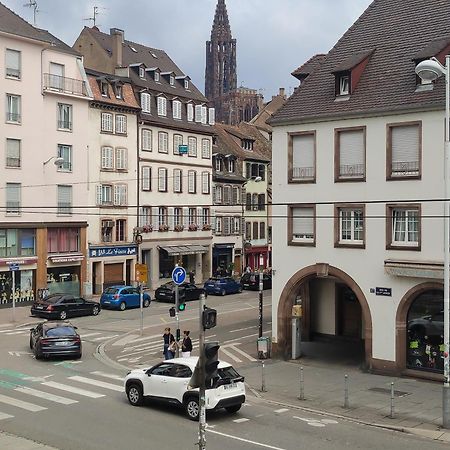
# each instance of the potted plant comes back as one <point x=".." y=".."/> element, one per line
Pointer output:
<point x="164" y="227"/>
<point x="179" y="228"/>
<point x="147" y="228"/>
<point x="193" y="227"/>
<point x="206" y="227"/>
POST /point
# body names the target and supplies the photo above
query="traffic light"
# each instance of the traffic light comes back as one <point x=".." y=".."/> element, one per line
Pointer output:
<point x="172" y="312"/>
<point x="181" y="304"/>
<point x="209" y="318"/>
<point x="211" y="355"/>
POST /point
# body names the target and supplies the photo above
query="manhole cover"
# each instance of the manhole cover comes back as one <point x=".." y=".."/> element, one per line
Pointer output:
<point x="388" y="391"/>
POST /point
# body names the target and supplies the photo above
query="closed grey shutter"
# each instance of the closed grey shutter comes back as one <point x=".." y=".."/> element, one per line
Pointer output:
<point x="405" y="149"/>
<point x="351" y="152"/>
<point x="171" y="213"/>
<point x="303" y="223"/>
<point x="13" y="195"/>
<point x="303" y="156"/>
<point x="64" y="199"/>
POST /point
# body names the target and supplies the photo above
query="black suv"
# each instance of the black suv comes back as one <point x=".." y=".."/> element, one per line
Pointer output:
<point x="250" y="280"/>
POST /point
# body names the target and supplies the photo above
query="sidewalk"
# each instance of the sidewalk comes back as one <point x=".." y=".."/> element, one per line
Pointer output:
<point x="10" y="442"/>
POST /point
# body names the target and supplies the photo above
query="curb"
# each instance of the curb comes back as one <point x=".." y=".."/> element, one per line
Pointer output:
<point x="101" y="356"/>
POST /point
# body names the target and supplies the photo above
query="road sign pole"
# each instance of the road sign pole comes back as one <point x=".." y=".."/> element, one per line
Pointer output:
<point x="202" y="387"/>
<point x="141" y="302"/>
<point x="13" y="295"/>
<point x="177" y="318"/>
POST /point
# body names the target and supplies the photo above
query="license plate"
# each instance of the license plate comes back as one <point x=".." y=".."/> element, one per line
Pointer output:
<point x="106" y="302"/>
<point x="62" y="343"/>
<point x="230" y="386"/>
<point x="246" y="284"/>
<point x="39" y="307"/>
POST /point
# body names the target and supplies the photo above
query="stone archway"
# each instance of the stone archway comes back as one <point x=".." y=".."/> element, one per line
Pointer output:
<point x="291" y="289"/>
<point x="401" y="322"/>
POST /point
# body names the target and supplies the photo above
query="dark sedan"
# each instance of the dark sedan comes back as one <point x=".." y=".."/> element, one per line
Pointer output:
<point x="222" y="286"/>
<point x="251" y="281"/>
<point x="187" y="291"/>
<point x="62" y="306"/>
<point x="55" y="339"/>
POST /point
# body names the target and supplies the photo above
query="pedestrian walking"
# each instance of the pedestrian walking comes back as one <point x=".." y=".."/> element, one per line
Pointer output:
<point x="186" y="345"/>
<point x="169" y="344"/>
<point x="192" y="277"/>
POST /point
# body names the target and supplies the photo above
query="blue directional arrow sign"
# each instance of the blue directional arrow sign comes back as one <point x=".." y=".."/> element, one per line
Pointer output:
<point x="13" y="267"/>
<point x="178" y="275"/>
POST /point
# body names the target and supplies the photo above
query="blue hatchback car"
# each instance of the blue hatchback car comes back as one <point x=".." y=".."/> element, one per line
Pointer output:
<point x="123" y="297"/>
<point x="222" y="286"/>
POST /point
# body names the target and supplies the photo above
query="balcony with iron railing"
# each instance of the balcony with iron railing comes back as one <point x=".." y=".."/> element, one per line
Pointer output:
<point x="57" y="83"/>
<point x="405" y="168"/>
<point x="13" y="117"/>
<point x="351" y="171"/>
<point x="64" y="208"/>
<point x="12" y="162"/>
<point x="13" y="208"/>
<point x="303" y="173"/>
<point x="64" y="125"/>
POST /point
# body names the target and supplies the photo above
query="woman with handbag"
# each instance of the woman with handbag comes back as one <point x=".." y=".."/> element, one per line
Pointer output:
<point x="186" y="345"/>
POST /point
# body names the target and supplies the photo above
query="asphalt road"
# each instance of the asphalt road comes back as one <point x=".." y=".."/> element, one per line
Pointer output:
<point x="74" y="405"/>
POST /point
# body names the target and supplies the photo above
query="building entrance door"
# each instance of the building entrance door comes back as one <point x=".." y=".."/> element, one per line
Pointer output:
<point x="349" y="317"/>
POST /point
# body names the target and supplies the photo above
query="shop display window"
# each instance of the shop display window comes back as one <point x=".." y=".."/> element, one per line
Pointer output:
<point x="24" y="284"/>
<point x="64" y="280"/>
<point x="17" y="242"/>
<point x="63" y="240"/>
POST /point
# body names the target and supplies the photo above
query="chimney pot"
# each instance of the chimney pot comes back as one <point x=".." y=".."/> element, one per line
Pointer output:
<point x="282" y="92"/>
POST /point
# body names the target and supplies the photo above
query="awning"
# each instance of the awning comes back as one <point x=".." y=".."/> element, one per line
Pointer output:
<point x="185" y="250"/>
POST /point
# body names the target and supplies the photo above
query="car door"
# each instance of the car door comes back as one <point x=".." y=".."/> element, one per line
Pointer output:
<point x="180" y="376"/>
<point x="67" y="304"/>
<point x="125" y="296"/>
<point x="34" y="335"/>
<point x="156" y="382"/>
<point x="81" y="308"/>
<point x="134" y="297"/>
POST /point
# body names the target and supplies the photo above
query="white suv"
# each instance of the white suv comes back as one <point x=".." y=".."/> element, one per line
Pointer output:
<point x="169" y="381"/>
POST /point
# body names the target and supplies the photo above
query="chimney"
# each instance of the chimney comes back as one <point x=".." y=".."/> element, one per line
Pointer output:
<point x="282" y="92"/>
<point x="117" y="41"/>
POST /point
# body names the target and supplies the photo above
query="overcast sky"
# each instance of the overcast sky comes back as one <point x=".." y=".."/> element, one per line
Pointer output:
<point x="273" y="36"/>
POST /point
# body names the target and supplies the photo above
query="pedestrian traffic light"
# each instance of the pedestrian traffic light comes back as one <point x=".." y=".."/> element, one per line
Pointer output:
<point x="209" y="318"/>
<point x="172" y="312"/>
<point x="211" y="355"/>
<point x="181" y="304"/>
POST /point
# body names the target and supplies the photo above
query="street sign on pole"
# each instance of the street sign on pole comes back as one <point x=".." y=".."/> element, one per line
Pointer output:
<point x="141" y="273"/>
<point x="179" y="275"/>
<point x="14" y="267"/>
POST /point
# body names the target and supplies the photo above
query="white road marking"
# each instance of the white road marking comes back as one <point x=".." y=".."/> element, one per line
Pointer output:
<point x="241" y="352"/>
<point x="145" y="338"/>
<point x="125" y="340"/>
<point x="16" y="332"/>
<point x="280" y="411"/>
<point x="89" y="334"/>
<point x="243" y="440"/>
<point x="104" y="338"/>
<point x="230" y="355"/>
<point x="329" y="421"/>
<point x="108" y="375"/>
<point x="240" y="338"/>
<point x="19" y="353"/>
<point x="241" y="420"/>
<point x="46" y="395"/>
<point x="74" y="390"/>
<point x="316" y="424"/>
<point x="242" y="329"/>
<point x="103" y="384"/>
<point x="11" y="330"/>
<point x="5" y="416"/>
<point x="21" y="404"/>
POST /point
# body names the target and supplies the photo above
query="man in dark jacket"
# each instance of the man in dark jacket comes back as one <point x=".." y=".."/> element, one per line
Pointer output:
<point x="186" y="345"/>
<point x="168" y="342"/>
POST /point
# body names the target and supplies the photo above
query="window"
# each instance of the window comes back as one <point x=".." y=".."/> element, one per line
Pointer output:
<point x="404" y="152"/>
<point x="121" y="227"/>
<point x="146" y="140"/>
<point x="192" y="181"/>
<point x="350" y="154"/>
<point x="344" y="85"/>
<point x="13" y="64"/>
<point x="218" y="225"/>
<point x="176" y="109"/>
<point x="302" y="155"/>
<point x="64" y="117"/>
<point x="226" y="226"/>
<point x="231" y="165"/>
<point x="192" y="145"/>
<point x="211" y="116"/>
<point x="192" y="216"/>
<point x="205" y="183"/>
<point x="163" y="216"/>
<point x="248" y="202"/>
<point x="206" y="216"/>
<point x="17" y="242"/>
<point x="119" y="91"/>
<point x="247" y="144"/>
<point x="218" y="164"/>
<point x="120" y="195"/>
<point x="172" y="80"/>
<point x="235" y="196"/>
<point x="255" y="230"/>
<point x="255" y="204"/>
<point x="198" y="113"/>
<point x="177" y="141"/>
<point x="64" y="200"/>
<point x="226" y="195"/>
<point x="63" y="240"/>
<point x="162" y="179"/>
<point x="404" y="229"/>
<point x="237" y="225"/>
<point x="142" y="73"/>
<point x="186" y="84"/>
<point x="262" y="230"/>
<point x="262" y="171"/>
<point x="206" y="148"/>
<point x="219" y="195"/>
<point x="146" y="178"/>
<point x="146" y="100"/>
<point x="107" y="123"/>
<point x="190" y="112"/>
<point x="177" y="180"/>
<point x="261" y="202"/>
<point x="107" y="230"/>
<point x="65" y="152"/>
<point x="104" y="194"/>
<point x="104" y="88"/>
<point x="107" y="158"/>
<point x="204" y="115"/>
<point x="13" y="153"/>
<point x="121" y="159"/>
<point x="350" y="226"/>
<point x="13" y="199"/>
<point x="248" y="231"/>
<point x="157" y="76"/>
<point x="56" y="77"/>
<point x="301" y="225"/>
<point x="162" y="106"/>
<point x="13" y="108"/>
<point x="177" y="217"/>
<point x="163" y="142"/>
<point x="121" y="124"/>
<point x="146" y="216"/>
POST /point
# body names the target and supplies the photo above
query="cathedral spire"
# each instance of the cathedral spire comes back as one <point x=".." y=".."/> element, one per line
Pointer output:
<point x="221" y="26"/>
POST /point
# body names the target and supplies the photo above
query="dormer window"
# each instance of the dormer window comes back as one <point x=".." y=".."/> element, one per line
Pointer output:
<point x="119" y="91"/>
<point x="186" y="84"/>
<point x="344" y="85"/>
<point x="104" y="88"/>
<point x="157" y="77"/>
<point x="172" y="80"/>
<point x="162" y="106"/>
<point x="247" y="144"/>
<point x="142" y="72"/>
<point x="231" y="165"/>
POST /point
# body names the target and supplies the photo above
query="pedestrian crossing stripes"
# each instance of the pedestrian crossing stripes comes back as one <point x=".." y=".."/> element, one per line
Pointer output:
<point x="20" y="404"/>
<point x="46" y="395"/>
<point x="73" y="389"/>
<point x="102" y="384"/>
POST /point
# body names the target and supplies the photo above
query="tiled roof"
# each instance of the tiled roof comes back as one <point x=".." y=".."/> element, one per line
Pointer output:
<point x="134" y="53"/>
<point x="397" y="31"/>
<point x="260" y="120"/>
<point x="309" y="67"/>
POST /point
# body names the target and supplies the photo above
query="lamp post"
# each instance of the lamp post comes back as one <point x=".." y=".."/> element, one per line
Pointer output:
<point x="429" y="71"/>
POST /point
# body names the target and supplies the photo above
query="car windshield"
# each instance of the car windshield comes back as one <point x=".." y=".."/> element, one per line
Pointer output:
<point x="111" y="291"/>
<point x="60" y="331"/>
<point x="169" y="285"/>
<point x="53" y="299"/>
<point x="228" y="373"/>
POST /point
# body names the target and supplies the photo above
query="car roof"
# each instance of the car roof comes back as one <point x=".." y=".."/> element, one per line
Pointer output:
<point x="56" y="324"/>
<point x="192" y="362"/>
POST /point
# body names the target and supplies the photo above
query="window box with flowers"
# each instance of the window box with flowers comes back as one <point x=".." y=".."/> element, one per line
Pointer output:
<point x="164" y="228"/>
<point x="206" y="227"/>
<point x="147" y="228"/>
<point x="179" y="228"/>
<point x="193" y="227"/>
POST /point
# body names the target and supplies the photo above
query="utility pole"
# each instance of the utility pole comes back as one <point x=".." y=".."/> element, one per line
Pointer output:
<point x="261" y="288"/>
<point x="202" y="387"/>
<point x="33" y="4"/>
<point x="177" y="318"/>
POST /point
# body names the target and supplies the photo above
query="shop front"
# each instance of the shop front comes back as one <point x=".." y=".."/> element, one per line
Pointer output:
<point x="64" y="274"/>
<point x="223" y="259"/>
<point x="257" y="257"/>
<point x="23" y="283"/>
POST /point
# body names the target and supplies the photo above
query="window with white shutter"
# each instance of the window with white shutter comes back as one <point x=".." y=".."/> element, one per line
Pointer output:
<point x="163" y="217"/>
<point x="303" y="157"/>
<point x="212" y="116"/>
<point x="192" y="215"/>
<point x="107" y="122"/>
<point x="192" y="181"/>
<point x="13" y="63"/>
<point x="205" y="183"/>
<point x="176" y="109"/>
<point x="226" y="195"/>
<point x="206" y="148"/>
<point x="121" y="159"/>
<point x="192" y="145"/>
<point x="145" y="216"/>
<point x="64" y="200"/>
<point x="190" y="112"/>
<point x="162" y="179"/>
<point x="104" y="194"/>
<point x="107" y="158"/>
<point x="177" y="217"/>
<point x="120" y="194"/>
<point x="163" y="142"/>
<point x="146" y="101"/>
<point x="146" y="137"/>
<point x="303" y="224"/>
<point x="121" y="124"/>
<point x="13" y="153"/>
<point x="204" y="115"/>
<point x="351" y="154"/>
<point x="177" y="141"/>
<point x="146" y="178"/>
<point x="177" y="180"/>
<point x="13" y="199"/>
<point x="404" y="150"/>
<point x="162" y="106"/>
<point x="198" y="113"/>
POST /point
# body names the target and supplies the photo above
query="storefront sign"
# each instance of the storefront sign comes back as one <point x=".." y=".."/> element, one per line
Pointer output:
<point x="385" y="292"/>
<point x="102" y="252"/>
<point x="18" y="261"/>
<point x="13" y="267"/>
<point x="66" y="259"/>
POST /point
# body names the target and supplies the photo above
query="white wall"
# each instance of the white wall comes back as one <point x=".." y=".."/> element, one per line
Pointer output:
<point x="323" y="306"/>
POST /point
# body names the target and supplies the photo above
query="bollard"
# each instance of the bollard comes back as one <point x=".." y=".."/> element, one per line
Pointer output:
<point x="263" y="378"/>
<point x="302" y="385"/>
<point x="346" y="392"/>
<point x="392" y="400"/>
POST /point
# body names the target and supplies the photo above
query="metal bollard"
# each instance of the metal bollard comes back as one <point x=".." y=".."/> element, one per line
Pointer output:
<point x="346" y="405"/>
<point x="392" y="400"/>
<point x="302" y="385"/>
<point x="263" y="378"/>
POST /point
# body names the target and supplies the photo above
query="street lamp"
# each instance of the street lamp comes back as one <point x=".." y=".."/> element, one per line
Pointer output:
<point x="429" y="71"/>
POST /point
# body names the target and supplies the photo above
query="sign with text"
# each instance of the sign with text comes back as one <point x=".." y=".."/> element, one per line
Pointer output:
<point x="385" y="292"/>
<point x="141" y="273"/>
<point x="103" y="252"/>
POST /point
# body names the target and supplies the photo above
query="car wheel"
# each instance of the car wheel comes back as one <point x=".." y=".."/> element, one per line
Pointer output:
<point x="240" y="289"/>
<point x="222" y="292"/>
<point x="63" y="315"/>
<point x="37" y="354"/>
<point x="122" y="306"/>
<point x="233" y="409"/>
<point x="95" y="310"/>
<point x="78" y="356"/>
<point x="192" y="408"/>
<point x="146" y="303"/>
<point x="134" y="394"/>
<point x="31" y="343"/>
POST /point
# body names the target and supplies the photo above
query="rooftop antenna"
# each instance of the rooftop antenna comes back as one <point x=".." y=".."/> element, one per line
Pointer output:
<point x="33" y="4"/>
<point x="95" y="14"/>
